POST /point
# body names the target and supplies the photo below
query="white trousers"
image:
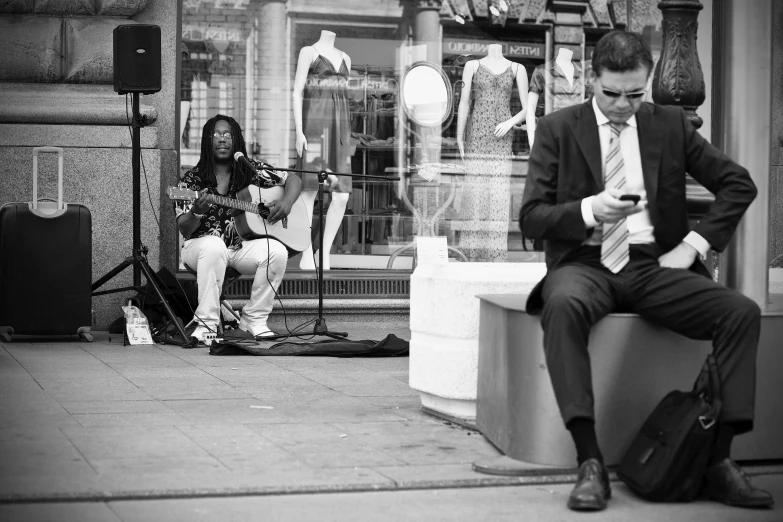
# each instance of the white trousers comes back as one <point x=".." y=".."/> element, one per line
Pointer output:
<point x="262" y="258"/>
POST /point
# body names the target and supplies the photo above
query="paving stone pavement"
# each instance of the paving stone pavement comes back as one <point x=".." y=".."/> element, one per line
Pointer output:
<point x="102" y="431"/>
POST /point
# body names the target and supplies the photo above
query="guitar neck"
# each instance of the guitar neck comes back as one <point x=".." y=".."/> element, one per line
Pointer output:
<point x="224" y="201"/>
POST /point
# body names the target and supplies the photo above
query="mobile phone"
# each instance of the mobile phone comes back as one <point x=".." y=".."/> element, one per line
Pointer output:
<point x="631" y="197"/>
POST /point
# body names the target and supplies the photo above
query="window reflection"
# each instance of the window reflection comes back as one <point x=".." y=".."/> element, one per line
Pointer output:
<point x="239" y="57"/>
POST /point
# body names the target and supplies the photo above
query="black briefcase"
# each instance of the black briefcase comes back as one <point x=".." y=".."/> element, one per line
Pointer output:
<point x="667" y="459"/>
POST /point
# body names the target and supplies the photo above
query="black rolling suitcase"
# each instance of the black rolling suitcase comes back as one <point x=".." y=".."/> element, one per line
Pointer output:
<point x="45" y="264"/>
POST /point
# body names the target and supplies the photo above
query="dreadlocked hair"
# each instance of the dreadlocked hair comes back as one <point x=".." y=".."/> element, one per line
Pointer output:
<point x="206" y="163"/>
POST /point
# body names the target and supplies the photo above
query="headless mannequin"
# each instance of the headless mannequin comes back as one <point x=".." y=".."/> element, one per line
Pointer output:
<point x="497" y="64"/>
<point x="563" y="60"/>
<point x="339" y="200"/>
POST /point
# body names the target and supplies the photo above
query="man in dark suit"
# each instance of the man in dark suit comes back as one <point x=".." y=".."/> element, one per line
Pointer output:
<point x="605" y="253"/>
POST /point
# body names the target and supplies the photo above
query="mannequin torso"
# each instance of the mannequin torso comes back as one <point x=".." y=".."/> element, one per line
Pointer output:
<point x="494" y="60"/>
<point x="325" y="47"/>
<point x="497" y="65"/>
<point x="484" y="122"/>
<point x="308" y="55"/>
<point x="322" y="116"/>
<point x="563" y="80"/>
<point x="563" y="60"/>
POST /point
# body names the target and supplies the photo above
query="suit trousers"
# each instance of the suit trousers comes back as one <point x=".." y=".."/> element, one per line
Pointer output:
<point x="264" y="259"/>
<point x="581" y="291"/>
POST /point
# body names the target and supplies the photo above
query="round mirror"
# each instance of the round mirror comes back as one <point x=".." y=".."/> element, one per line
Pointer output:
<point x="426" y="94"/>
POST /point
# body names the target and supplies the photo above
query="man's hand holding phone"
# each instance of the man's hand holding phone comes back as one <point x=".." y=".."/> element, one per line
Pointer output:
<point x="612" y="204"/>
<point x="630" y="197"/>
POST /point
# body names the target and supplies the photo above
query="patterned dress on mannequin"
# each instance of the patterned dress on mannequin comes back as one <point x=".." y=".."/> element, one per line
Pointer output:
<point x="486" y="192"/>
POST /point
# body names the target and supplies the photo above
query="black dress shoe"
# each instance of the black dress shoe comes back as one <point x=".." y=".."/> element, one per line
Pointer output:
<point x="592" y="487"/>
<point x="727" y="483"/>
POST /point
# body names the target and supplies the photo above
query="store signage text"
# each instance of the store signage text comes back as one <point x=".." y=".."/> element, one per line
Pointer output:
<point x="209" y="33"/>
<point x="372" y="84"/>
<point x="217" y="4"/>
<point x="517" y="50"/>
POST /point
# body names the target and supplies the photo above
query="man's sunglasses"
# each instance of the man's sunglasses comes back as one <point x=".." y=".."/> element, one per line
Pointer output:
<point x="629" y="95"/>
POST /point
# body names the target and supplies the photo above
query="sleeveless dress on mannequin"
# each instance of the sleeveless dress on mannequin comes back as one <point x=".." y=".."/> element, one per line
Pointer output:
<point x="486" y="189"/>
<point x="326" y="120"/>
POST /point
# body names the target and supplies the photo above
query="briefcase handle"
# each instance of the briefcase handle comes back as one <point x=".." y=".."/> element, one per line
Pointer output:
<point x="53" y="150"/>
<point x="708" y="384"/>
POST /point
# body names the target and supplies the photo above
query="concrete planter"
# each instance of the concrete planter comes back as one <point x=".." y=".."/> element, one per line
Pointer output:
<point x="444" y="321"/>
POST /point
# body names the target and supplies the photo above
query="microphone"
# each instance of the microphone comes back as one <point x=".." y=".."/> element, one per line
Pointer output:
<point x="266" y="171"/>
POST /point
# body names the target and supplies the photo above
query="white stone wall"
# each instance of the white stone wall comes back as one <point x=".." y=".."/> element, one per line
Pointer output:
<point x="56" y="89"/>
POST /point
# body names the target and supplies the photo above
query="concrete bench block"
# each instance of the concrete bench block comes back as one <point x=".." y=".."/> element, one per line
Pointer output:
<point x="634" y="363"/>
<point x="89" y="44"/>
<point x="32" y="46"/>
<point x="444" y="328"/>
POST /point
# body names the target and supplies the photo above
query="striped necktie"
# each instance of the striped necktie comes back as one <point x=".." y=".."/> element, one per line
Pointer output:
<point x="614" y="240"/>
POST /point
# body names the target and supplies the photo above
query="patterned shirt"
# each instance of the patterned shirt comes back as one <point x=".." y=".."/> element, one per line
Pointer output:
<point x="563" y="94"/>
<point x="217" y="221"/>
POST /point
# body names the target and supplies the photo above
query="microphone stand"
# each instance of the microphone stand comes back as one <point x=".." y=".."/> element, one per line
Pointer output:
<point x="320" y="322"/>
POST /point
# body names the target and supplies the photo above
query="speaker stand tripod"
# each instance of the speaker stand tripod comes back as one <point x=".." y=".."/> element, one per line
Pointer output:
<point x="138" y="257"/>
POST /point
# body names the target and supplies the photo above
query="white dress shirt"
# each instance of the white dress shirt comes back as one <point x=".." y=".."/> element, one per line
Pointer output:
<point x="640" y="228"/>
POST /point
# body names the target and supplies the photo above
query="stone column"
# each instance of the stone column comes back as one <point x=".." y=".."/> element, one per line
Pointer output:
<point x="568" y="31"/>
<point x="745" y="63"/>
<point x="271" y="80"/>
<point x="426" y="28"/>
<point x="426" y="32"/>
<point x="678" y="79"/>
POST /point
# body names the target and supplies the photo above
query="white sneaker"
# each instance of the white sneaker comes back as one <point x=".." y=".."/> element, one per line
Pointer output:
<point x="262" y="331"/>
<point x="204" y="334"/>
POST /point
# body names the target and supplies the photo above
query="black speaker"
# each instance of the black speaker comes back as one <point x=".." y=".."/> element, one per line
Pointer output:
<point x="137" y="58"/>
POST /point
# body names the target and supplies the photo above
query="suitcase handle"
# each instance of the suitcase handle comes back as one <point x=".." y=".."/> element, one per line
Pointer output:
<point x="59" y="152"/>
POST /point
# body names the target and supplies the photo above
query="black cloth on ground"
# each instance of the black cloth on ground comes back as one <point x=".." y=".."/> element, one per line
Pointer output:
<point x="390" y="346"/>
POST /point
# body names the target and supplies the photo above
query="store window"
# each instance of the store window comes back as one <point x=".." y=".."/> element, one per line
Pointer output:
<point x="458" y="145"/>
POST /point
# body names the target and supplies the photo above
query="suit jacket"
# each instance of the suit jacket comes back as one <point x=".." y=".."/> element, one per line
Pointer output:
<point x="565" y="167"/>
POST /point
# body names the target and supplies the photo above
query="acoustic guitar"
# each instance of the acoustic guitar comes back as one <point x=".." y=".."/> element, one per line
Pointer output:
<point x="292" y="231"/>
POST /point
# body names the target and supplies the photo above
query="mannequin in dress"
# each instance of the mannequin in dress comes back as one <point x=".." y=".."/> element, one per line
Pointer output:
<point x="566" y="85"/>
<point x="485" y="144"/>
<point x="494" y="61"/>
<point x="323" y="126"/>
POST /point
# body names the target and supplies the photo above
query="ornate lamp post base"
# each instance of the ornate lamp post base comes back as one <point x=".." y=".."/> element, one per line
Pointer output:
<point x="678" y="78"/>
